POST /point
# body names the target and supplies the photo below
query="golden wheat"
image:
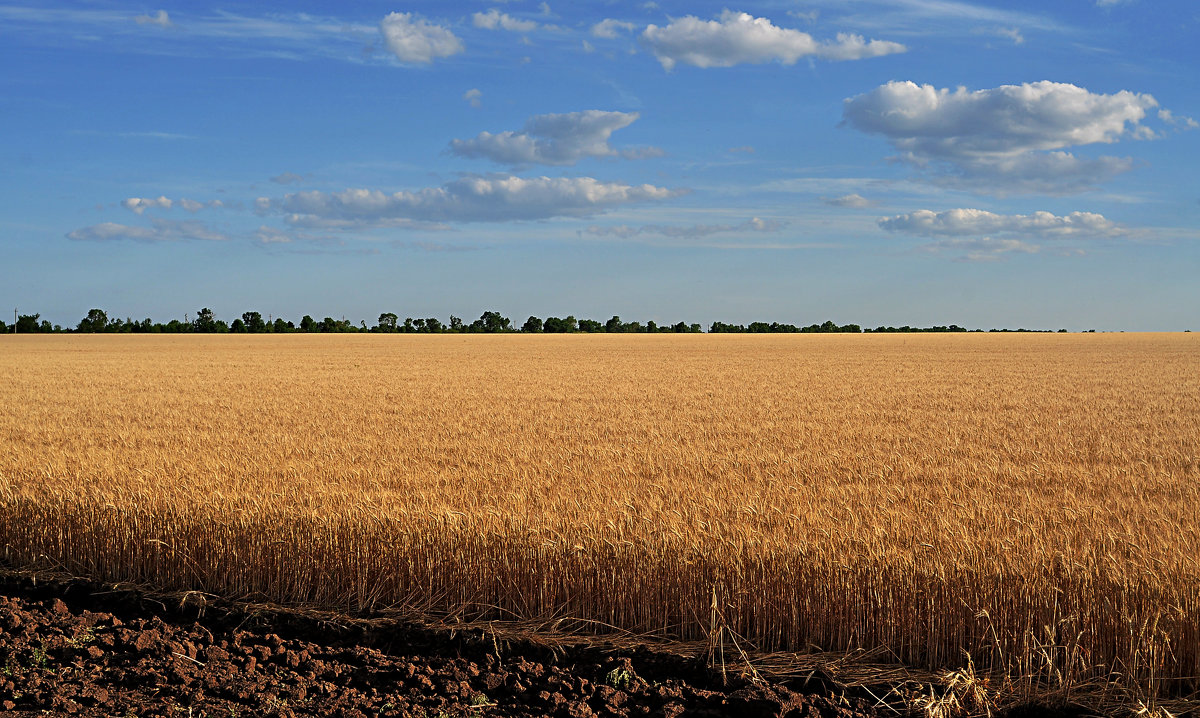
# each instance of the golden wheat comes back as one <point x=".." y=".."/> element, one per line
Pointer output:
<point x="1032" y="500"/>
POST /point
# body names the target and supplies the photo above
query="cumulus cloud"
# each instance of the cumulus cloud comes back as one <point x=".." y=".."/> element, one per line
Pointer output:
<point x="737" y="37"/>
<point x="1009" y="138"/>
<point x="411" y="38"/>
<point x="978" y="222"/>
<point x="161" y="230"/>
<point x="610" y="29"/>
<point x="554" y="139"/>
<point x="469" y="199"/>
<point x="473" y="96"/>
<point x="159" y="18"/>
<point x="754" y="224"/>
<point x="138" y="205"/>
<point x="495" y="20"/>
<point x="855" y="200"/>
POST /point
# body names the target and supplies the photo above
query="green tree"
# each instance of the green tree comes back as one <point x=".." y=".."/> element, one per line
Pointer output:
<point x="590" y="326"/>
<point x="253" y="322"/>
<point x="456" y="323"/>
<point x="614" y="325"/>
<point x="205" y="321"/>
<point x="387" y="322"/>
<point x="532" y="324"/>
<point x="95" y="321"/>
<point x="554" y="325"/>
<point x="28" y="324"/>
<point x="491" y="323"/>
<point x="238" y="327"/>
<point x="308" y="324"/>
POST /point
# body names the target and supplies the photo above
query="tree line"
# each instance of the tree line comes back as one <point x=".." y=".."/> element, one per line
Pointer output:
<point x="490" y="322"/>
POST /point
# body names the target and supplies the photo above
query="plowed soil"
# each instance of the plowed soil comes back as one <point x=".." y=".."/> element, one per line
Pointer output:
<point x="77" y="648"/>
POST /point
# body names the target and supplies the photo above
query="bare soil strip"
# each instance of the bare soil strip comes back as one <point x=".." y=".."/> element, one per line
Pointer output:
<point x="73" y="647"/>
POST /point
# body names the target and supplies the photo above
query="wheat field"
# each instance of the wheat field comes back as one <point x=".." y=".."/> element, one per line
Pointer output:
<point x="1030" y="500"/>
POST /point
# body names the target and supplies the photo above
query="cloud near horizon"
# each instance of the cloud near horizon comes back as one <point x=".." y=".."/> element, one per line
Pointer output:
<point x="754" y="224"/>
<point x="553" y="139"/>
<point x="469" y="199"/>
<point x="977" y="222"/>
<point x="1008" y="139"/>
<point x="740" y="38"/>
<point x="161" y="230"/>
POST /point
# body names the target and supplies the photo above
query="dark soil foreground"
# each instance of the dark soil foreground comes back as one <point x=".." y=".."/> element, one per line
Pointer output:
<point x="76" y="648"/>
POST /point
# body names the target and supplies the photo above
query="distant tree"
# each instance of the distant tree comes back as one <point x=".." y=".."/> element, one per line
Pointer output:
<point x="308" y="324"/>
<point x="408" y="325"/>
<point x="590" y="326"/>
<point x="614" y="326"/>
<point x="419" y="325"/>
<point x="95" y="321"/>
<point x="328" y="325"/>
<point x="387" y="322"/>
<point x="254" y="322"/>
<point x="723" y="328"/>
<point x="238" y="327"/>
<point x="3" y="327"/>
<point x="282" y="326"/>
<point x="433" y="325"/>
<point x="205" y="321"/>
<point x="456" y="324"/>
<point x="28" y="324"/>
<point x="532" y="324"/>
<point x="554" y="325"/>
<point x="491" y="323"/>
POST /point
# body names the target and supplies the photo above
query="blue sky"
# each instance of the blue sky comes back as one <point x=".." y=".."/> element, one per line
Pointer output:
<point x="900" y="162"/>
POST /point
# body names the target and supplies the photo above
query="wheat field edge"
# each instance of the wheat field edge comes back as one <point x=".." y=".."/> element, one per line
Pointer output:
<point x="1032" y="501"/>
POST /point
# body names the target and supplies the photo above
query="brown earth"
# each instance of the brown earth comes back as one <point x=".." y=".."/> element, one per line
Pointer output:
<point x="74" y="648"/>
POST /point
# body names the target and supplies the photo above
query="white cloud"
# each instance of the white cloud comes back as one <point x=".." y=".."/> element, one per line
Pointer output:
<point x="855" y="200"/>
<point x="754" y="224"/>
<point x="978" y="222"/>
<point x="738" y="38"/>
<point x="162" y="230"/>
<point x="160" y="19"/>
<point x="1177" y="120"/>
<point x="473" y="96"/>
<point x="270" y="235"/>
<point x="413" y="39"/>
<point x="610" y="29"/>
<point x="138" y="205"/>
<point x="469" y="199"/>
<point x="495" y="20"/>
<point x="1012" y="33"/>
<point x="287" y="178"/>
<point x="1004" y="139"/>
<point x="983" y="249"/>
<point x="554" y="139"/>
